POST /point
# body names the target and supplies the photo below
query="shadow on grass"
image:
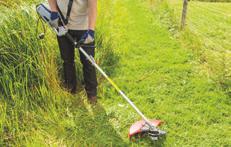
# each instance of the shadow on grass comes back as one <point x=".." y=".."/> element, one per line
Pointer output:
<point x="92" y="127"/>
<point x="146" y="141"/>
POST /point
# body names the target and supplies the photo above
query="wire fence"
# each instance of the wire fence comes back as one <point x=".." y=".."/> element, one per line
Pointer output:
<point x="211" y="21"/>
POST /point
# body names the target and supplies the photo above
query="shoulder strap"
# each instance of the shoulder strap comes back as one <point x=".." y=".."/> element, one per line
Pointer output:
<point x="69" y="9"/>
<point x="65" y="20"/>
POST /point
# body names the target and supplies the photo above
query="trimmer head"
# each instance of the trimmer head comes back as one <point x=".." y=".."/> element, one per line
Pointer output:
<point x="141" y="129"/>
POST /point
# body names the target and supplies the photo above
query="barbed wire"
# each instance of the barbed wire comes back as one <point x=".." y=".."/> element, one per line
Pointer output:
<point x="210" y="24"/>
<point x="222" y="14"/>
<point x="208" y="7"/>
<point x="199" y="10"/>
<point x="206" y="37"/>
<point x="197" y="26"/>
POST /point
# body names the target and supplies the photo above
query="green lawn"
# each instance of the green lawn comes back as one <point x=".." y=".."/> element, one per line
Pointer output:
<point x="159" y="74"/>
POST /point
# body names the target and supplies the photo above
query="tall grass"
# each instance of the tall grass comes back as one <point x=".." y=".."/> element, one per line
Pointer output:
<point x="30" y="75"/>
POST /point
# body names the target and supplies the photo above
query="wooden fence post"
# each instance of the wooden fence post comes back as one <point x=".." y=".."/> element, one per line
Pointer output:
<point x="184" y="13"/>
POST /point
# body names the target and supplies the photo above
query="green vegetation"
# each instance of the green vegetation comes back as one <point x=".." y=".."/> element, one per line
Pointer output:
<point x="210" y="24"/>
<point x="144" y="52"/>
<point x="213" y="0"/>
<point x="30" y="79"/>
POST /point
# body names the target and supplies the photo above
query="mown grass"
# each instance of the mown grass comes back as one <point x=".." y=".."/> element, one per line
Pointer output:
<point x="163" y="79"/>
<point x="159" y="74"/>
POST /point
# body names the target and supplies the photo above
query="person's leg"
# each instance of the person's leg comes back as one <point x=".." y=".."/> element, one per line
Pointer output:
<point x="67" y="53"/>
<point x="89" y="71"/>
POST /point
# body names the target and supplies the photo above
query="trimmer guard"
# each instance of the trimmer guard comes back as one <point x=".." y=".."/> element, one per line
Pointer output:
<point x="138" y="127"/>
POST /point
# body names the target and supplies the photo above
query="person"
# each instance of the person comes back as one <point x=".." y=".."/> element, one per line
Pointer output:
<point x="81" y="25"/>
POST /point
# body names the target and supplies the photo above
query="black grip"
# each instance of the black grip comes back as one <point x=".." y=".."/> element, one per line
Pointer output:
<point x="68" y="35"/>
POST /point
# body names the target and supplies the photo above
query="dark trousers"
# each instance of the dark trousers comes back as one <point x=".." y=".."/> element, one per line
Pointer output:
<point x="67" y="51"/>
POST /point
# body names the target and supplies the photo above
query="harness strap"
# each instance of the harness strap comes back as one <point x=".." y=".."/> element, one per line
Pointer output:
<point x="65" y="20"/>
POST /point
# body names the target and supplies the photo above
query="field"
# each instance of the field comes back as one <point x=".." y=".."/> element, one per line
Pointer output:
<point x="210" y="23"/>
<point x="170" y="75"/>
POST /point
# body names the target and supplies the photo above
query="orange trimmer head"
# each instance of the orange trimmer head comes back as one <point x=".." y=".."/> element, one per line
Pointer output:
<point x="142" y="129"/>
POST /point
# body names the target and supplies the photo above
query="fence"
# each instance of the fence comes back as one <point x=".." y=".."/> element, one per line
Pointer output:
<point x="211" y="23"/>
<point x="184" y="13"/>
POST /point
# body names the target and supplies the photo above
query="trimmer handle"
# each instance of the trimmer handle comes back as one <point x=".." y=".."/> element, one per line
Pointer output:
<point x="77" y="44"/>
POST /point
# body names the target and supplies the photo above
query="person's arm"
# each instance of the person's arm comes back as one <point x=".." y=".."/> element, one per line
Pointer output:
<point x="92" y="14"/>
<point x="53" y="5"/>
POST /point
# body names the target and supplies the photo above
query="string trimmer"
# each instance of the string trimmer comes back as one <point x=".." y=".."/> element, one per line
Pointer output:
<point x="140" y="128"/>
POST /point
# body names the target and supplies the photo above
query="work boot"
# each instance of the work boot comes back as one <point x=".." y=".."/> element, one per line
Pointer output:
<point x="92" y="99"/>
<point x="73" y="91"/>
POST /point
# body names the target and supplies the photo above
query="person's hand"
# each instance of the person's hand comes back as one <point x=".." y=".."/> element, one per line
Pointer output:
<point x="88" y="37"/>
<point x="54" y="19"/>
